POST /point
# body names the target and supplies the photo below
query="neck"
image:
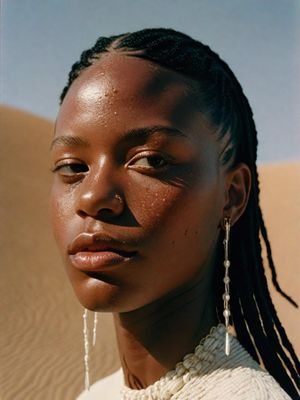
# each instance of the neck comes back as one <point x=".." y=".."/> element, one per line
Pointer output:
<point x="155" y="337"/>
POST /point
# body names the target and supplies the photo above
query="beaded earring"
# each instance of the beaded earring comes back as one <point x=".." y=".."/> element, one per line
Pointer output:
<point x="87" y="346"/>
<point x="226" y="280"/>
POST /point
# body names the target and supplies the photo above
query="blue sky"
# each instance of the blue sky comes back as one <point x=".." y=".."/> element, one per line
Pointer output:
<point x="40" y="40"/>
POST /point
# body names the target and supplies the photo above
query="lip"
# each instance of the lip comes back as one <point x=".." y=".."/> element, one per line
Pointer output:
<point x="97" y="261"/>
<point x="94" y="252"/>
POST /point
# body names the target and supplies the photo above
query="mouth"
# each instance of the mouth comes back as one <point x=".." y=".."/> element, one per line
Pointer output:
<point x="97" y="252"/>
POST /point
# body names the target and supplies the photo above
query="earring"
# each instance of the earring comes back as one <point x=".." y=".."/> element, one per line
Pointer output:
<point x="226" y="280"/>
<point x="87" y="346"/>
<point x="86" y="351"/>
<point x="95" y="328"/>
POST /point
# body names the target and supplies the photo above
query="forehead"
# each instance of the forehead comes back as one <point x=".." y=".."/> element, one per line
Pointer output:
<point x="117" y="83"/>
<point x="130" y="73"/>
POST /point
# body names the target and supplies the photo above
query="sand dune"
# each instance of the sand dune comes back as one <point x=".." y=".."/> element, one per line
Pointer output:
<point x="41" y="321"/>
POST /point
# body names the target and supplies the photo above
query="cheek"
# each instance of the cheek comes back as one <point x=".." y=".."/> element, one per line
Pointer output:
<point x="178" y="217"/>
<point x="157" y="205"/>
<point x="151" y="204"/>
<point x="151" y="201"/>
<point x="180" y="232"/>
<point x="61" y="213"/>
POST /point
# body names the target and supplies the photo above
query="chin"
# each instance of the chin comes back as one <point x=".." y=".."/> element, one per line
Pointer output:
<point x="102" y="296"/>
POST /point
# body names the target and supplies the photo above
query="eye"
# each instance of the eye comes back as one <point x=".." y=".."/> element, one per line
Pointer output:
<point x="152" y="161"/>
<point x="149" y="162"/>
<point x="71" y="169"/>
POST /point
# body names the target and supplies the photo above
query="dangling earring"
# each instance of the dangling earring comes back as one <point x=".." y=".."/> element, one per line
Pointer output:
<point x="226" y="280"/>
<point x="95" y="328"/>
<point x="86" y="351"/>
<point x="87" y="346"/>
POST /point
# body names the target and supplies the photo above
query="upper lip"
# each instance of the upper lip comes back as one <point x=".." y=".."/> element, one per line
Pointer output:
<point x="99" y="242"/>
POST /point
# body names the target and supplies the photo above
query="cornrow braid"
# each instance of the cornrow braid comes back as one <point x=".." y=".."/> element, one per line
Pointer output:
<point x="222" y="100"/>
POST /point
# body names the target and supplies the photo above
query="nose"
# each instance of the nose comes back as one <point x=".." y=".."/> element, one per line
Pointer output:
<point x="99" y="195"/>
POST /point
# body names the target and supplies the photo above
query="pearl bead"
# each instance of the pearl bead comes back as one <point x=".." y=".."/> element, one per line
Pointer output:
<point x="226" y="313"/>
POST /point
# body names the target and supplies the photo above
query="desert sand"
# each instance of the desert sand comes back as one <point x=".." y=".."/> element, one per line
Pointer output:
<point x="40" y="319"/>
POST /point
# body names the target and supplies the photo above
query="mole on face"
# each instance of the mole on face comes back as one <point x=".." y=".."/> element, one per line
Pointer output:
<point x="145" y="142"/>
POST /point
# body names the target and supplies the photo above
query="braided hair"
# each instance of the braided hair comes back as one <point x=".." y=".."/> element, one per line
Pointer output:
<point x="222" y="100"/>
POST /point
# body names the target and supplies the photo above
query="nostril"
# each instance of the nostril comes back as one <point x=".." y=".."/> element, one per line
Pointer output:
<point x="98" y="214"/>
<point x="107" y="214"/>
<point x="82" y="213"/>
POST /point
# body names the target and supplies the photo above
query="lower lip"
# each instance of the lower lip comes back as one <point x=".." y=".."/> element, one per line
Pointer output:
<point x="97" y="261"/>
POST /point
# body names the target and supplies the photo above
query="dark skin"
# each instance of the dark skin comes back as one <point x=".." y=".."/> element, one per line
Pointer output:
<point x="136" y="133"/>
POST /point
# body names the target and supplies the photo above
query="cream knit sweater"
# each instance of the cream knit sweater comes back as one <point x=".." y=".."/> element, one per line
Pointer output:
<point x="206" y="374"/>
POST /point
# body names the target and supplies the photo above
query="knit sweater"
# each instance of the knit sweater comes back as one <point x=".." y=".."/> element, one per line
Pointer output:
<point x="206" y="374"/>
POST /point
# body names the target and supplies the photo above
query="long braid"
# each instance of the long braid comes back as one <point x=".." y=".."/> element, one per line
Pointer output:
<point x="222" y="100"/>
<point x="266" y="311"/>
<point x="262" y="281"/>
<point x="271" y="262"/>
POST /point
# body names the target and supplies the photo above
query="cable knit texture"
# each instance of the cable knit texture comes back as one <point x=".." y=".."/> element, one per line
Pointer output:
<point x="209" y="374"/>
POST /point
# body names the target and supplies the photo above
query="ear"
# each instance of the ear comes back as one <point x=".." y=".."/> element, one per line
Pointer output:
<point x="237" y="186"/>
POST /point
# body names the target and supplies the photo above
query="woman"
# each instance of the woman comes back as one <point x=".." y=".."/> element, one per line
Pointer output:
<point x="155" y="206"/>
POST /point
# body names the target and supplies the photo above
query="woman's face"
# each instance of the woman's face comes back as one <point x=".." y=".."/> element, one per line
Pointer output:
<point x="138" y="194"/>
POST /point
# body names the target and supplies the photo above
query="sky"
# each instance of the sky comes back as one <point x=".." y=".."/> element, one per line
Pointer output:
<point x="259" y="39"/>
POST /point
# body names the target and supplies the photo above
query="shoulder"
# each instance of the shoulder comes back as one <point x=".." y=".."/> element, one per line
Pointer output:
<point x="107" y="388"/>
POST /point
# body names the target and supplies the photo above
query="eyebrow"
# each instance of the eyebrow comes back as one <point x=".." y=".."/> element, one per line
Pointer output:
<point x="68" y="140"/>
<point x="137" y="133"/>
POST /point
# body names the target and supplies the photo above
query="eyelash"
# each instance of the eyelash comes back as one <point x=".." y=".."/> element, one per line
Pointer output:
<point x="166" y="161"/>
<point x="70" y="165"/>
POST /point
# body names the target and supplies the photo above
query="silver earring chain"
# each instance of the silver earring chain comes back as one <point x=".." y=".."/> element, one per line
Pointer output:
<point x="95" y="328"/>
<point x="87" y="346"/>
<point x="226" y="295"/>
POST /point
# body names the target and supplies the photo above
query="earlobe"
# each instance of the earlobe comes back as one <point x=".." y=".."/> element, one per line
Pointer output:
<point x="237" y="187"/>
